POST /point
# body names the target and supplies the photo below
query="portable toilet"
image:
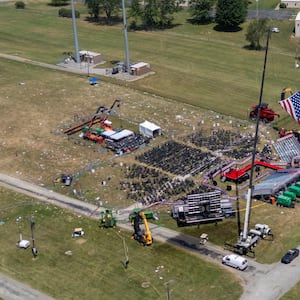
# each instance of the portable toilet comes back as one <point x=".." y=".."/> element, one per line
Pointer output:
<point x="298" y="183"/>
<point x="284" y="201"/>
<point x="295" y="189"/>
<point x="290" y="194"/>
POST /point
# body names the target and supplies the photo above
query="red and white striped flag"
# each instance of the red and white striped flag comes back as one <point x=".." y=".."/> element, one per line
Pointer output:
<point x="292" y="106"/>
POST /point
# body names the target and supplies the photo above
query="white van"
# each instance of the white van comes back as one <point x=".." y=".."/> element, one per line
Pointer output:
<point x="235" y="261"/>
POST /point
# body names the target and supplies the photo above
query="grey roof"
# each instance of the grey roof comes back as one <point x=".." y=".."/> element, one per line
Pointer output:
<point x="277" y="181"/>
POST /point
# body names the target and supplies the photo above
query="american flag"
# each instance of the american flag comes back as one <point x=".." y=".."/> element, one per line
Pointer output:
<point x="292" y="106"/>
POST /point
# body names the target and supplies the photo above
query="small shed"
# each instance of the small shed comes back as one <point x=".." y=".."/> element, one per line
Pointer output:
<point x="140" y="68"/>
<point x="90" y="57"/>
<point x="149" y="129"/>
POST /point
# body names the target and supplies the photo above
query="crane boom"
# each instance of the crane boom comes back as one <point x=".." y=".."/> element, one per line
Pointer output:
<point x="142" y="236"/>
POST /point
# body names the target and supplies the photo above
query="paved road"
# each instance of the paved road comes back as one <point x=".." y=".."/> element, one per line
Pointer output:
<point x="11" y="289"/>
<point x="267" y="282"/>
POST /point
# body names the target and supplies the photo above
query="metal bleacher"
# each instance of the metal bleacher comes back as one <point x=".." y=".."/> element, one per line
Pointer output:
<point x="287" y="147"/>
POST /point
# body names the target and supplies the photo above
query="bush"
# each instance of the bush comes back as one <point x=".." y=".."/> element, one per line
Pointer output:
<point x="59" y="2"/>
<point x="20" y="5"/>
<point x="67" y="13"/>
<point x="282" y="5"/>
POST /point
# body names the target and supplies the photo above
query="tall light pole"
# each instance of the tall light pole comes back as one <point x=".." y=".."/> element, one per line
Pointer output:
<point x="125" y="36"/>
<point x="257" y="10"/>
<point x="75" y="33"/>
<point x="32" y="225"/>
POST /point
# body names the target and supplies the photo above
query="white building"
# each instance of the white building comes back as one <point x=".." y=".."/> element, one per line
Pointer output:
<point x="297" y="25"/>
<point x="291" y="3"/>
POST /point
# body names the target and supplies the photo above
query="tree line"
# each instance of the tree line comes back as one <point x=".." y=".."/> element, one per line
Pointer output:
<point x="157" y="14"/>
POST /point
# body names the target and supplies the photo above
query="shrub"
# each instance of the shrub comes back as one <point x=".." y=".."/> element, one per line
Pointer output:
<point x="20" y="5"/>
<point x="282" y="5"/>
<point x="67" y="13"/>
<point x="59" y="2"/>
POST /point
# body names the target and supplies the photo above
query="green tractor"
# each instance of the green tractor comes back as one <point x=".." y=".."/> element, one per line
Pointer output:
<point x="107" y="219"/>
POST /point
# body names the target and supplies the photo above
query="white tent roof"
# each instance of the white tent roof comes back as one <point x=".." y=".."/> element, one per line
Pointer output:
<point x="121" y="134"/>
<point x="108" y="133"/>
<point x="150" y="125"/>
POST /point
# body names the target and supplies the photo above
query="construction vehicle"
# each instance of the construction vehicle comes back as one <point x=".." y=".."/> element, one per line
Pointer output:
<point x="95" y="134"/>
<point x="144" y="236"/>
<point x="107" y="219"/>
<point x="262" y="230"/>
<point x="247" y="240"/>
<point x="266" y="115"/>
<point x="150" y="215"/>
<point x="241" y="175"/>
<point x="96" y="118"/>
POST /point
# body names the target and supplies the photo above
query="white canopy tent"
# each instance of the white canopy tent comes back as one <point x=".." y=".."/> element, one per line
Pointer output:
<point x="149" y="129"/>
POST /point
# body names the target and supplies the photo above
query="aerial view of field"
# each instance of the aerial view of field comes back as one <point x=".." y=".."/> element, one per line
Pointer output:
<point x="203" y="84"/>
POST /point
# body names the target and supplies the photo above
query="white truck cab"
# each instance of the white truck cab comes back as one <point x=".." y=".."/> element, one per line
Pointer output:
<point x="235" y="261"/>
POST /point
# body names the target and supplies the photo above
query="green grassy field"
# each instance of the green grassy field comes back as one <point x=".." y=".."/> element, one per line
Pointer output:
<point x="192" y="64"/>
<point x="95" y="269"/>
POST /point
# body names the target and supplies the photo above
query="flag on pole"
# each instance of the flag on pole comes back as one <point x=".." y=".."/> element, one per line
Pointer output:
<point x="292" y="106"/>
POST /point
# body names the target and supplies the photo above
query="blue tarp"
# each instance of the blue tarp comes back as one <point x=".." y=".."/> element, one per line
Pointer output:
<point x="94" y="80"/>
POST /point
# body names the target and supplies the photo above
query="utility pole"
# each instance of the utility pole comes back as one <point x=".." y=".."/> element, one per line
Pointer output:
<point x="125" y="36"/>
<point x="257" y="10"/>
<point x="32" y="225"/>
<point x="75" y="33"/>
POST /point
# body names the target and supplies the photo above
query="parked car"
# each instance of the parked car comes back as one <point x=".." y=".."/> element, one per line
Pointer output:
<point x="275" y="29"/>
<point x="290" y="256"/>
<point x="235" y="261"/>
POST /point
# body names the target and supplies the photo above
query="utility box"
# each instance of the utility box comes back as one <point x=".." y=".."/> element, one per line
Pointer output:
<point x="140" y="68"/>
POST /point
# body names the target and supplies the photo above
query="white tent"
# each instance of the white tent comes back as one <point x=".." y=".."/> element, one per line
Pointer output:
<point x="149" y="129"/>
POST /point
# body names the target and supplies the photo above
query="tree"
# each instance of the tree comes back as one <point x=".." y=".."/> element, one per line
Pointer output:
<point x="200" y="11"/>
<point x="155" y="13"/>
<point x="135" y="12"/>
<point x="109" y="7"/>
<point x="19" y="5"/>
<point x="93" y="8"/>
<point x="255" y="31"/>
<point x="106" y="6"/>
<point x="231" y="13"/>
